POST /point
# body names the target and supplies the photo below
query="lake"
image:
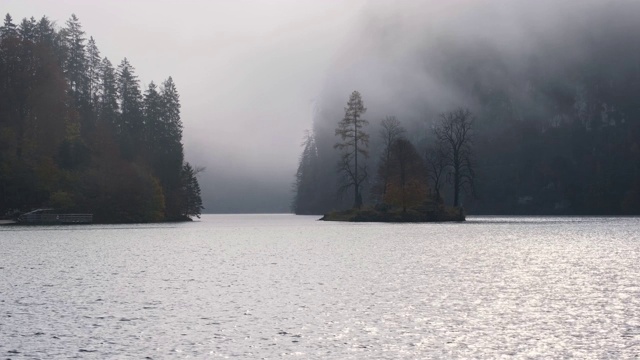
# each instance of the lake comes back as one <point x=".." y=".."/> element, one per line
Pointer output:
<point x="284" y="286"/>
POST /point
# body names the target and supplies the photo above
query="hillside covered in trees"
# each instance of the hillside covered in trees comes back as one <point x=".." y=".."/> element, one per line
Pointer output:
<point x="554" y="91"/>
<point x="78" y="134"/>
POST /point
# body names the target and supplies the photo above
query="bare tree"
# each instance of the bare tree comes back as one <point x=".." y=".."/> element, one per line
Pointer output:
<point x="391" y="131"/>
<point x="437" y="161"/>
<point x="354" y="142"/>
<point x="454" y="131"/>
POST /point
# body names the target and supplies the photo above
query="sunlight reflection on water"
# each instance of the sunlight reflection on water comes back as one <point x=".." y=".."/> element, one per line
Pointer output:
<point x="270" y="286"/>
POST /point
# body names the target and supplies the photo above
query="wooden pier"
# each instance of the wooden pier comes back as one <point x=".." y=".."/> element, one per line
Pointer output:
<point x="48" y="217"/>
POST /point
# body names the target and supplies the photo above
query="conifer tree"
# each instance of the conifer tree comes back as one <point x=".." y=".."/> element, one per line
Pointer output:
<point x="93" y="72"/>
<point x="168" y="160"/>
<point x="306" y="177"/>
<point x="27" y="29"/>
<point x="171" y="103"/>
<point x="130" y="125"/>
<point x="76" y="62"/>
<point x="192" y="202"/>
<point x="108" y="95"/>
<point x="45" y="34"/>
<point x="9" y="29"/>
<point x="354" y="142"/>
<point x="153" y="112"/>
<point x="170" y="138"/>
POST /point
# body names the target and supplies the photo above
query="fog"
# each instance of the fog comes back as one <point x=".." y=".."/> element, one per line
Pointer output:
<point x="415" y="60"/>
<point x="253" y="74"/>
<point x="402" y="54"/>
<point x="522" y="68"/>
<point x="248" y="73"/>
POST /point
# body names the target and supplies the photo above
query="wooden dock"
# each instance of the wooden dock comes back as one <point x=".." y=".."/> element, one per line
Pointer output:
<point x="47" y="217"/>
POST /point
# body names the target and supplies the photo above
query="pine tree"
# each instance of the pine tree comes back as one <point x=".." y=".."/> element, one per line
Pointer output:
<point x="108" y="110"/>
<point x="171" y="103"/>
<point x="168" y="160"/>
<point x="153" y="112"/>
<point x="192" y="201"/>
<point x="130" y="125"/>
<point x="9" y="29"/>
<point x="354" y="142"/>
<point x="27" y="29"/>
<point x="93" y="72"/>
<point x="47" y="37"/>
<point x="171" y="138"/>
<point x="45" y="34"/>
<point x="76" y="61"/>
<point x="306" y="177"/>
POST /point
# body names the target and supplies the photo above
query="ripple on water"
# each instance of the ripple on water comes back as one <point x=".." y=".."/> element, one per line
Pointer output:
<point x="280" y="286"/>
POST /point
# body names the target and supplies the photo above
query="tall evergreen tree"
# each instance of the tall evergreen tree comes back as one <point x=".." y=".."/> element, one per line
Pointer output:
<point x="27" y="29"/>
<point x="153" y="112"/>
<point x="306" y="177"/>
<point x="45" y="33"/>
<point x="354" y="142"/>
<point x="76" y="59"/>
<point x="108" y="110"/>
<point x="130" y="125"/>
<point x="192" y="202"/>
<point x="171" y="138"/>
<point x="9" y="29"/>
<point x="169" y="159"/>
<point x="173" y="123"/>
<point x="93" y="72"/>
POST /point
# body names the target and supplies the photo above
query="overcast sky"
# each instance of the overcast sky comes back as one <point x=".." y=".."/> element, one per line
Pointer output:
<point x="248" y="72"/>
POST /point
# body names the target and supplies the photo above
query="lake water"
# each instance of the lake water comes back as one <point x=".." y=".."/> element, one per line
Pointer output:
<point x="284" y="286"/>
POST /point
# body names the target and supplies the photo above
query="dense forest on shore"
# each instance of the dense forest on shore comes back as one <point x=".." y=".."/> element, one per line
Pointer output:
<point x="555" y="98"/>
<point x="79" y="135"/>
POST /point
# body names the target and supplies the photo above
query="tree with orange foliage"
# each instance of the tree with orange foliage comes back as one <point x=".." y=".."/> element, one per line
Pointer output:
<point x="407" y="183"/>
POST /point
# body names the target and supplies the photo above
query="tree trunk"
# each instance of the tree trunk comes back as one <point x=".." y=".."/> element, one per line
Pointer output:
<point x="456" y="189"/>
<point x="357" y="201"/>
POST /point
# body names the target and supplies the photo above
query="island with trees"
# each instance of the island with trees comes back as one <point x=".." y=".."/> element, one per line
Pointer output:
<point x="407" y="185"/>
<point x="79" y="135"/>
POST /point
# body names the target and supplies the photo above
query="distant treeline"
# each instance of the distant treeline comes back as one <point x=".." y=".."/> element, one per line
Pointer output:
<point x="556" y="130"/>
<point x="78" y="135"/>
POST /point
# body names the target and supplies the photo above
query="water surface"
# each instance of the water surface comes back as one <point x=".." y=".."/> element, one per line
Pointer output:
<point x="281" y="286"/>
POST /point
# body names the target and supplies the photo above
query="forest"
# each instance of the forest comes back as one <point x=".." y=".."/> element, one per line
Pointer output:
<point x="555" y="102"/>
<point x="78" y="134"/>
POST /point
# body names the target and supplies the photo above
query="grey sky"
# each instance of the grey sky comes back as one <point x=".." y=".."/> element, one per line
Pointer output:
<point x="247" y="72"/>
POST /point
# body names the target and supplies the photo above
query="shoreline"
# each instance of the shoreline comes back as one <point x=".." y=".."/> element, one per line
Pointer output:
<point x="411" y="215"/>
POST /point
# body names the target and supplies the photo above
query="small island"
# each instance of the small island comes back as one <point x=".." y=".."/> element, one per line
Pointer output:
<point x="427" y="212"/>
<point x="407" y="187"/>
